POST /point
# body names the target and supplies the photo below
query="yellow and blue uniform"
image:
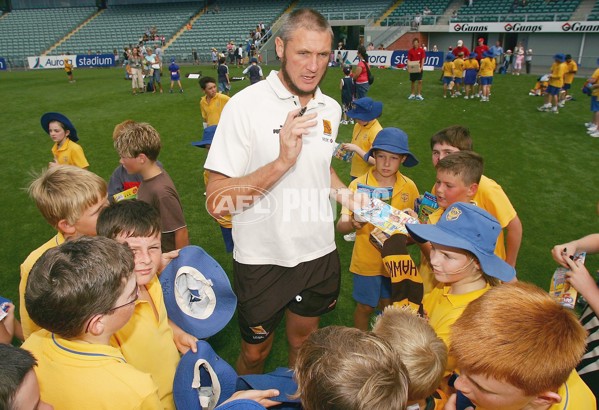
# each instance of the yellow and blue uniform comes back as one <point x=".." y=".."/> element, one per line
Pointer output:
<point x="363" y="136"/>
<point x="70" y="153"/>
<point x="211" y="110"/>
<point x="148" y="336"/>
<point x="556" y="79"/>
<point x="487" y="67"/>
<point x="575" y="395"/>
<point x="77" y="375"/>
<point x="448" y="68"/>
<point x="28" y="325"/>
<point x="571" y="70"/>
<point x="458" y="70"/>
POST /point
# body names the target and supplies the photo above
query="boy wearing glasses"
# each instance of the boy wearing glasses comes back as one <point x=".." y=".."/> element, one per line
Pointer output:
<point x="149" y="334"/>
<point x="80" y="293"/>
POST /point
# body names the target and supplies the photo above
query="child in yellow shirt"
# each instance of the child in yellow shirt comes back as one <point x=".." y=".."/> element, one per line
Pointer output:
<point x="66" y="151"/>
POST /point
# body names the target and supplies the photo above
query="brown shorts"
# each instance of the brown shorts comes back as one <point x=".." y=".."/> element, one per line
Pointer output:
<point x="263" y="292"/>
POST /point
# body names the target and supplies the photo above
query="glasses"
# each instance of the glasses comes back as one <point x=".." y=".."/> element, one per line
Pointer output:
<point x="116" y="307"/>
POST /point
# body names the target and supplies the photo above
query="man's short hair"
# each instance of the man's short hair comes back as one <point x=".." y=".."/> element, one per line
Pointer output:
<point x="133" y="218"/>
<point x="518" y="334"/>
<point x="422" y="352"/>
<point x="75" y="281"/>
<point x="15" y="363"/>
<point x="65" y="192"/>
<point x="138" y="138"/>
<point x="457" y="136"/>
<point x="205" y="80"/>
<point x="468" y="165"/>
<point x="308" y="19"/>
<point x="345" y="368"/>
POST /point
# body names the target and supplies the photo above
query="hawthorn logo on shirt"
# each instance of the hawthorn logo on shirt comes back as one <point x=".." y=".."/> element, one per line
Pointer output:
<point x="405" y="197"/>
<point x="259" y="330"/>
<point x="327" y="129"/>
<point x="453" y="214"/>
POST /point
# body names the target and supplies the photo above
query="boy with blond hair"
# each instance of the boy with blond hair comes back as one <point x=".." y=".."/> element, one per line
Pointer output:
<point x="138" y="146"/>
<point x="422" y="352"/>
<point x="344" y="368"/>
<point x="80" y="293"/>
<point x="149" y="333"/>
<point x="70" y="199"/>
<point x="516" y="348"/>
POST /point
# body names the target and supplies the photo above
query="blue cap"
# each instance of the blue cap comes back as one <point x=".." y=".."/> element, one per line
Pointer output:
<point x="48" y="117"/>
<point x="466" y="226"/>
<point x="206" y="138"/>
<point x="449" y="57"/>
<point x="197" y="293"/>
<point x="560" y="57"/>
<point x="253" y="60"/>
<point x="365" y="109"/>
<point x="488" y="53"/>
<point x="395" y="141"/>
<point x="281" y="379"/>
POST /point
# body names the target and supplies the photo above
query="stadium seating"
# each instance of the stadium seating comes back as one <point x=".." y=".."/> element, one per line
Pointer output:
<point x="347" y="10"/>
<point x="510" y="10"/>
<point x="406" y="11"/>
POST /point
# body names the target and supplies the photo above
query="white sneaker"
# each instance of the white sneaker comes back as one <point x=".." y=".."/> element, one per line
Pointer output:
<point x="350" y="237"/>
<point x="594" y="134"/>
<point x="554" y="110"/>
<point x="458" y="93"/>
<point x="465" y="97"/>
<point x="592" y="129"/>
<point x="543" y="108"/>
<point x="561" y="104"/>
<point x="590" y="124"/>
<point x="412" y="97"/>
<point x="351" y="122"/>
<point x="419" y="97"/>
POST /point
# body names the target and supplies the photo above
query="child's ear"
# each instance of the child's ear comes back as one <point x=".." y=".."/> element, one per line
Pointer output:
<point x="67" y="133"/>
<point x="546" y="399"/>
<point x="66" y="228"/>
<point x="472" y="190"/>
<point x="96" y="325"/>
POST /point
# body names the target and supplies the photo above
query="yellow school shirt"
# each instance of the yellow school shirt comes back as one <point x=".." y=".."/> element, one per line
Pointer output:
<point x="363" y="136"/>
<point x="211" y="110"/>
<point x="470" y="63"/>
<point x="487" y="67"/>
<point x="556" y="78"/>
<point x="366" y="259"/>
<point x="224" y="221"/>
<point x="458" y="68"/>
<point x="595" y="76"/>
<point x="70" y="153"/>
<point x="28" y="326"/>
<point x="575" y="395"/>
<point x="147" y="343"/>
<point x="67" y="65"/>
<point x="448" y="69"/>
<point x="425" y="270"/>
<point x="444" y="308"/>
<point x="571" y="69"/>
<point x="79" y="375"/>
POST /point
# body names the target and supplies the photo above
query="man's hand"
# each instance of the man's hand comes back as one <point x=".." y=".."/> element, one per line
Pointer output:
<point x="291" y="135"/>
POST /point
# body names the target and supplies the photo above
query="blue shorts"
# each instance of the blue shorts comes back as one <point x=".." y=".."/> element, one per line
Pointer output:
<point x="552" y="90"/>
<point x="458" y="80"/>
<point x="175" y="77"/>
<point x="486" y="80"/>
<point x="368" y="290"/>
<point x="447" y="80"/>
<point x="223" y="86"/>
<point x="470" y="77"/>
<point x="594" y="104"/>
<point x="567" y="86"/>
<point x="156" y="75"/>
<point x="227" y="238"/>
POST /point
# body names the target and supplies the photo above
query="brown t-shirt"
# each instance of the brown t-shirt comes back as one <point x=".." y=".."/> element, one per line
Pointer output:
<point x="160" y="192"/>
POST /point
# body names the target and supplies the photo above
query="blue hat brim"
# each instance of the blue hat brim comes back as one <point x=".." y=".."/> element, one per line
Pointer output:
<point x="491" y="264"/>
<point x="410" y="161"/>
<point x="201" y="143"/>
<point x="280" y="379"/>
<point x="48" y="117"/>
<point x="226" y="301"/>
<point x="377" y="110"/>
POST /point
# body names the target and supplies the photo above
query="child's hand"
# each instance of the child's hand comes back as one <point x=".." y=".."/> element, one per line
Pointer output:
<point x="411" y="212"/>
<point x="579" y="276"/>
<point x="7" y="325"/>
<point x="350" y="147"/>
<point x="259" y="396"/>
<point x="183" y="340"/>
<point x="561" y="253"/>
<point x="167" y="258"/>
<point x="357" y="224"/>
<point x="52" y="164"/>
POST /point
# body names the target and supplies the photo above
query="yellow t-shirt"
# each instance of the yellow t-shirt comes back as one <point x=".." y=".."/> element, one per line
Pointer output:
<point x="366" y="259"/>
<point x="595" y="76"/>
<point x="77" y="375"/>
<point x="556" y="78"/>
<point x="67" y="65"/>
<point x="458" y="68"/>
<point x="211" y="111"/>
<point x="444" y="308"/>
<point x="487" y="67"/>
<point x="470" y="63"/>
<point x="575" y="395"/>
<point x="571" y="69"/>
<point x="70" y="153"/>
<point x="28" y="325"/>
<point x="425" y="270"/>
<point x="363" y="136"/>
<point x="224" y="221"/>
<point x="147" y="343"/>
<point x="448" y="67"/>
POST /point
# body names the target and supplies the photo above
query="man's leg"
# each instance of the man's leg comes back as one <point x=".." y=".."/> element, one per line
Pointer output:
<point x="298" y="329"/>
<point x="252" y="356"/>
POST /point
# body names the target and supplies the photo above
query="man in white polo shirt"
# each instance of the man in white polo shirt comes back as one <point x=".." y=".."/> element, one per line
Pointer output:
<point x="270" y="167"/>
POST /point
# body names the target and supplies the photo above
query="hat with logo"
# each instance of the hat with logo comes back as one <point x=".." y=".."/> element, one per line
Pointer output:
<point x="280" y="379"/>
<point x="466" y="226"/>
<point x="49" y="117"/>
<point x="449" y="57"/>
<point x="365" y="109"/>
<point x="197" y="293"/>
<point x="395" y="141"/>
<point x="559" y="57"/>
<point x="206" y="138"/>
<point x="203" y="380"/>
<point x="460" y="43"/>
<point x="481" y="40"/>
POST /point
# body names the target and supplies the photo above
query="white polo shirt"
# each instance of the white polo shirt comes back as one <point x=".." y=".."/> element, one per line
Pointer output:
<point x="293" y="222"/>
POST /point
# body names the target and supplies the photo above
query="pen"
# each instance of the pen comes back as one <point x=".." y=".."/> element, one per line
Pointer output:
<point x="302" y="111"/>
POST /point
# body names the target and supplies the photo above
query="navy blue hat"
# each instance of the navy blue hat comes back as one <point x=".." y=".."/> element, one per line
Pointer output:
<point x="206" y="138"/>
<point x="466" y="226"/>
<point x="253" y="60"/>
<point x="488" y="53"/>
<point x="242" y="404"/>
<point x="395" y="141"/>
<point x="197" y="293"/>
<point x="202" y="380"/>
<point x="560" y="57"/>
<point x="48" y="117"/>
<point x="365" y="109"/>
<point x="449" y="57"/>
<point x="280" y="379"/>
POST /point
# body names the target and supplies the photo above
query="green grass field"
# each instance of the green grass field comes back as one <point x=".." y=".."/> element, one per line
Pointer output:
<point x="546" y="163"/>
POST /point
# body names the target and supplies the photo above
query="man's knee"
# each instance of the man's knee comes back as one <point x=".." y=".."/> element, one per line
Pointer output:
<point x="255" y="354"/>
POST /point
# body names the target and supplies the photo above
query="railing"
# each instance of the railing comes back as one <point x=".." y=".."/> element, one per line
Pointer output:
<point x="517" y="17"/>
<point x="349" y="15"/>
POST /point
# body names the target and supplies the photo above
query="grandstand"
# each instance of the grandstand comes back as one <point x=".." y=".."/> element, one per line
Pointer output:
<point x="508" y="10"/>
<point x="344" y="10"/>
<point x="404" y="14"/>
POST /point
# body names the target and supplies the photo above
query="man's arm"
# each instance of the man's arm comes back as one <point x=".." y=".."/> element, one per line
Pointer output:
<point x="181" y="237"/>
<point x="513" y="239"/>
<point x="244" y="190"/>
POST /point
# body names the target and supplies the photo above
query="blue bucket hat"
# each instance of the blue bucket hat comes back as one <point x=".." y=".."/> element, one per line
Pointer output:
<point x="203" y="379"/>
<point x="560" y="57"/>
<point x="206" y="138"/>
<point x="488" y="53"/>
<point x="466" y="226"/>
<point x="280" y="379"/>
<point x="449" y="57"/>
<point x="472" y="55"/>
<point x="395" y="141"/>
<point x="197" y="293"/>
<point x="48" y="117"/>
<point x="365" y="109"/>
